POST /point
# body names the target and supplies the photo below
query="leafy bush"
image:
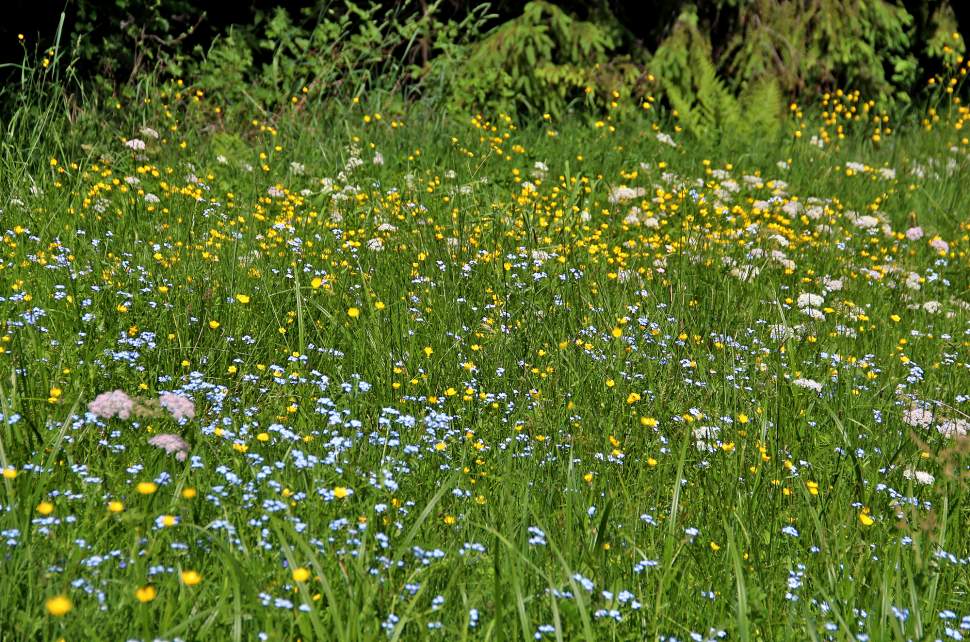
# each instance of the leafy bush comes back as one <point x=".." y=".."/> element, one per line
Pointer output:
<point x="713" y="62"/>
<point x="341" y="51"/>
<point x="543" y="61"/>
<point x="122" y="38"/>
<point x="702" y="100"/>
<point x="778" y="49"/>
<point x="876" y="46"/>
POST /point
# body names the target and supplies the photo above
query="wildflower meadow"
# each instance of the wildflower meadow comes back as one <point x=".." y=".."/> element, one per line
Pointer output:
<point x="368" y="370"/>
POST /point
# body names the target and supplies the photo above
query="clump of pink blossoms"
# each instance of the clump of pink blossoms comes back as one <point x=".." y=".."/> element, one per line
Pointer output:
<point x="180" y="407"/>
<point x="117" y="403"/>
<point x="171" y="444"/>
<point x="112" y="404"/>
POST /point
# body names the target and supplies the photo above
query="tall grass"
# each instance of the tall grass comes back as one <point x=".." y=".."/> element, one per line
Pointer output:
<point x="470" y="392"/>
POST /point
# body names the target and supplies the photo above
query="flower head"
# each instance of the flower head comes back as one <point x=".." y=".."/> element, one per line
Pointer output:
<point x="112" y="404"/>
<point x="341" y="492"/>
<point x="191" y="578"/>
<point x="146" y="593"/>
<point x="146" y="488"/>
<point x="171" y="444"/>
<point x="59" y="605"/>
<point x="180" y="407"/>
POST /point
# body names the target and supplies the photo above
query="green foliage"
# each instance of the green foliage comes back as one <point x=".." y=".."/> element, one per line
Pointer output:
<point x="761" y="104"/>
<point x="123" y="37"/>
<point x="702" y="100"/>
<point x="872" y="46"/>
<point x="716" y="60"/>
<point x="543" y="62"/>
<point x="863" y="44"/>
<point x="766" y="42"/>
<point x="777" y="49"/>
<point x="225" y="68"/>
<point x="944" y="43"/>
<point x="342" y="51"/>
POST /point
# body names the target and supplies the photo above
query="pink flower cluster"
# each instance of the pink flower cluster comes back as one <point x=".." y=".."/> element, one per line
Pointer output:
<point x="117" y="403"/>
<point x="112" y="404"/>
<point x="171" y="444"/>
<point x="180" y="407"/>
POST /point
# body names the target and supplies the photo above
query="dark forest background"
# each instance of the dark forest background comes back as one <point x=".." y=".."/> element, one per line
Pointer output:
<point x="537" y="56"/>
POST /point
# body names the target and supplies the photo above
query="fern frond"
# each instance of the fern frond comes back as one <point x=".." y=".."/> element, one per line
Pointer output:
<point x="763" y="106"/>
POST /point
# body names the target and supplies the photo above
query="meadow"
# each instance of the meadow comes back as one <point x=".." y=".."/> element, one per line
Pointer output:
<point x="356" y="375"/>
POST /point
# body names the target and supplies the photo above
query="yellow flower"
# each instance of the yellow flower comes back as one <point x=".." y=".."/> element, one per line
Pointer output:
<point x="188" y="493"/>
<point x="340" y="492"/>
<point x="45" y="508"/>
<point x="300" y="574"/>
<point x="242" y="298"/>
<point x="115" y="506"/>
<point x="353" y="313"/>
<point x="428" y="351"/>
<point x="59" y="605"/>
<point x="379" y="305"/>
<point x="9" y="472"/>
<point x="146" y="488"/>
<point x="146" y="593"/>
<point x="865" y="519"/>
<point x="632" y="398"/>
<point x="649" y="422"/>
<point x="316" y="282"/>
<point x="742" y="418"/>
<point x="214" y="324"/>
<point x="263" y="436"/>
<point x="191" y="578"/>
<point x="617" y="333"/>
<point x="169" y="520"/>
